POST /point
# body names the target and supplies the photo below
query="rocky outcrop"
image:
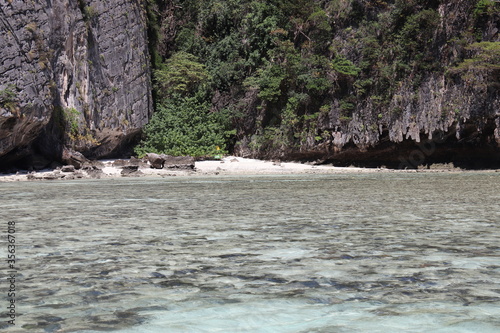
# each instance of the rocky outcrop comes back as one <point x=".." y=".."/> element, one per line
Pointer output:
<point x="131" y="171"/>
<point x="155" y="160"/>
<point x="444" y="120"/>
<point x="73" y="158"/>
<point x="160" y="161"/>
<point x="73" y="74"/>
<point x="179" y="162"/>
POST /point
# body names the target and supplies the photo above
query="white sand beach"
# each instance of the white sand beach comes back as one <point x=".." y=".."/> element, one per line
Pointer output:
<point x="230" y="165"/>
<point x="240" y="165"/>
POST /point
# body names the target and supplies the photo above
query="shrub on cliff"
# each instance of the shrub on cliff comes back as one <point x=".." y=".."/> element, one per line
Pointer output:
<point x="482" y="69"/>
<point x="8" y="98"/>
<point x="181" y="74"/>
<point x="185" y="126"/>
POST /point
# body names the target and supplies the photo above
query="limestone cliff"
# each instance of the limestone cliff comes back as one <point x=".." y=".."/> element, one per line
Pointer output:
<point x="395" y="83"/>
<point x="73" y="73"/>
<point x="426" y="92"/>
<point x="446" y="112"/>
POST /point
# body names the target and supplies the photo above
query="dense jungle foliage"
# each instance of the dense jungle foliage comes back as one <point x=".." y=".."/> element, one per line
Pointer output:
<point x="278" y="74"/>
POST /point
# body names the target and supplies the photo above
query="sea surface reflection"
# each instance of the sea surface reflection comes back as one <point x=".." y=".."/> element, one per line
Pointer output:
<point x="388" y="252"/>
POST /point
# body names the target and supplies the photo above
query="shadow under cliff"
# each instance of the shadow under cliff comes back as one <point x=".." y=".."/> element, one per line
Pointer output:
<point x="472" y="149"/>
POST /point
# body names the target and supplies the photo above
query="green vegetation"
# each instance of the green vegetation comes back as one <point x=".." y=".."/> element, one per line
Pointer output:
<point x="485" y="7"/>
<point x="181" y="74"/>
<point x="185" y="126"/>
<point x="8" y="98"/>
<point x="71" y="116"/>
<point x="483" y="68"/>
<point x="89" y="12"/>
<point x="76" y="130"/>
<point x="487" y="57"/>
<point x="345" y="66"/>
<point x="290" y="69"/>
<point x="31" y="27"/>
<point x="484" y="11"/>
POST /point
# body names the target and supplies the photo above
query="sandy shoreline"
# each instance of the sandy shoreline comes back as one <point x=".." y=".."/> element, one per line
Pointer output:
<point x="230" y="165"/>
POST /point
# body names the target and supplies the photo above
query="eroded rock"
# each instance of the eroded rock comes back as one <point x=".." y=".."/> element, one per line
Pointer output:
<point x="156" y="161"/>
<point x="68" y="168"/>
<point x="179" y="162"/>
<point x="131" y="171"/>
<point x="93" y="170"/>
<point x="72" y="77"/>
<point x="172" y="162"/>
<point x="74" y="158"/>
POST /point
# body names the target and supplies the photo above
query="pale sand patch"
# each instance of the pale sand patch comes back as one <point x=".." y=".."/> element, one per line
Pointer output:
<point x="240" y="165"/>
<point x="230" y="165"/>
<point x="12" y="177"/>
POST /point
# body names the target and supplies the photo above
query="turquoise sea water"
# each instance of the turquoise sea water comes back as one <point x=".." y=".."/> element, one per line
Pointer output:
<point x="387" y="252"/>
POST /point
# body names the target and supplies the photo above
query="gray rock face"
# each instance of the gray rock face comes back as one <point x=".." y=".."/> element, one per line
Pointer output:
<point x="72" y="71"/>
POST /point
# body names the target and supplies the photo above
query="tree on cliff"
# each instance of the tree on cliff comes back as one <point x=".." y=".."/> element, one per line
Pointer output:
<point x="183" y="123"/>
<point x="295" y="72"/>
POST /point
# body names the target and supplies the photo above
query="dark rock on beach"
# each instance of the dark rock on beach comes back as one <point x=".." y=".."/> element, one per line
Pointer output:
<point x="155" y="160"/>
<point x="179" y="162"/>
<point x="68" y="168"/>
<point x="131" y="171"/>
<point x="93" y="170"/>
<point x="171" y="162"/>
<point x="74" y="158"/>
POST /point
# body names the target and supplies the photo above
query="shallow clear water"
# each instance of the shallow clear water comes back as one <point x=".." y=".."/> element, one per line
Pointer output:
<point x="384" y="252"/>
